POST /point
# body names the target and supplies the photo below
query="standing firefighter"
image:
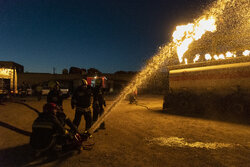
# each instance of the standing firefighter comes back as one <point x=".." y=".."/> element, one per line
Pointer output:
<point x="39" y="89"/>
<point x="98" y="101"/>
<point x="81" y="99"/>
<point x="55" y="95"/>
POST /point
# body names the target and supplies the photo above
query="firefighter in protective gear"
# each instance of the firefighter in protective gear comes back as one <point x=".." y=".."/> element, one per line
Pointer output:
<point x="98" y="101"/>
<point x="39" y="90"/>
<point x="133" y="97"/>
<point x="81" y="99"/>
<point x="55" y="95"/>
<point x="48" y="130"/>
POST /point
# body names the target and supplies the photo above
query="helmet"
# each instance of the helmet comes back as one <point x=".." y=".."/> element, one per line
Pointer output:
<point x="98" y="82"/>
<point x="54" y="84"/>
<point x="50" y="107"/>
<point x="57" y="83"/>
<point x="84" y="82"/>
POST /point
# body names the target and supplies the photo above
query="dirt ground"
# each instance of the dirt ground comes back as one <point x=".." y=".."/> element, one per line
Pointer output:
<point x="135" y="136"/>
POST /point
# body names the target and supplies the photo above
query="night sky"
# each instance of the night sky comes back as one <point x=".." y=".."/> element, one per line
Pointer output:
<point x="109" y="35"/>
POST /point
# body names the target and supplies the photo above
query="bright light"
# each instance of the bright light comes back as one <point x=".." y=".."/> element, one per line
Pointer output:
<point x="165" y="54"/>
<point x="197" y="57"/>
<point x="6" y="71"/>
<point x="246" y="53"/>
<point x="181" y="31"/>
<point x="184" y="35"/>
<point x="216" y="57"/>
<point x="186" y="61"/>
<point x="208" y="56"/>
<point x="221" y="56"/>
<point x="229" y="54"/>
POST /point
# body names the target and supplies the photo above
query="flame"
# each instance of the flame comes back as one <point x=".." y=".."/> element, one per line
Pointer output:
<point x="246" y="53"/>
<point x="221" y="56"/>
<point x="216" y="57"/>
<point x="197" y="57"/>
<point x="229" y="54"/>
<point x="208" y="56"/>
<point x="186" y="61"/>
<point x="181" y="41"/>
<point x="184" y="35"/>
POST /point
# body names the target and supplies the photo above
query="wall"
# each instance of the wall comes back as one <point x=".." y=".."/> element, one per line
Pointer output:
<point x="36" y="78"/>
<point x="155" y="84"/>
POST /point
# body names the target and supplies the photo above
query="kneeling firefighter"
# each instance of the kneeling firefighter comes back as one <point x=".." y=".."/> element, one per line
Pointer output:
<point x="48" y="131"/>
<point x="133" y="97"/>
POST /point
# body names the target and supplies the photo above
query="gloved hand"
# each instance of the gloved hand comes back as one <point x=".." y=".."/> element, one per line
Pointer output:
<point x="60" y="108"/>
<point x="85" y="135"/>
<point x="78" y="139"/>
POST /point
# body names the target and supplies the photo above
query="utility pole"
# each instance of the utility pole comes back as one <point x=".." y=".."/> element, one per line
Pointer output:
<point x="54" y="70"/>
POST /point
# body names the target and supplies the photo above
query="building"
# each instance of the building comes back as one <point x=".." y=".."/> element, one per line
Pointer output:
<point x="12" y="65"/>
<point x="8" y="77"/>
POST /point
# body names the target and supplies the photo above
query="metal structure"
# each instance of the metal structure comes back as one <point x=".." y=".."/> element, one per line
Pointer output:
<point x="92" y="81"/>
<point x="8" y="81"/>
<point x="224" y="83"/>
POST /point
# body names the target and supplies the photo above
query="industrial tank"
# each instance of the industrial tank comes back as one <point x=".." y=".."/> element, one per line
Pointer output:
<point x="221" y="83"/>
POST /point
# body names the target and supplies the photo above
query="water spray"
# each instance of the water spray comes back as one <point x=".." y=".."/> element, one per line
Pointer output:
<point x="183" y="37"/>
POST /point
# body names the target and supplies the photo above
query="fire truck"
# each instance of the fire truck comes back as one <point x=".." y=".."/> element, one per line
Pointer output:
<point x="8" y="81"/>
<point x="92" y="81"/>
<point x="220" y="84"/>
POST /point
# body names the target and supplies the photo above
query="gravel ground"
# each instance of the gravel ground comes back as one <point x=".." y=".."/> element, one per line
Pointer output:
<point x="135" y="135"/>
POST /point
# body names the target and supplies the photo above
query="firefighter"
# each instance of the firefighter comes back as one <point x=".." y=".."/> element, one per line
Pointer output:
<point x="39" y="89"/>
<point x="48" y="131"/>
<point x="81" y="99"/>
<point x="98" y="101"/>
<point x="55" y="95"/>
<point x="133" y="97"/>
<point x="23" y="90"/>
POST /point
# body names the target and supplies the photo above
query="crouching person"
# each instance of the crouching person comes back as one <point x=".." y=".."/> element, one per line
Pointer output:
<point x="48" y="132"/>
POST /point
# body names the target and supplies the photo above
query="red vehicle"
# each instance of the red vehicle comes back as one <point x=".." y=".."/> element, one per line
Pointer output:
<point x="92" y="81"/>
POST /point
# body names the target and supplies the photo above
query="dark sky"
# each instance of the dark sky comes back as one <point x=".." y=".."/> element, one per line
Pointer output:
<point x="109" y="35"/>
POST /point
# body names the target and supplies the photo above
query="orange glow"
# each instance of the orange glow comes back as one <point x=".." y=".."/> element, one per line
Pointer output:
<point x="216" y="57"/>
<point x="208" y="56"/>
<point x="186" y="61"/>
<point x="221" y="56"/>
<point x="184" y="35"/>
<point x="6" y="71"/>
<point x="182" y="38"/>
<point x="227" y="55"/>
<point x="197" y="57"/>
<point x="246" y="53"/>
